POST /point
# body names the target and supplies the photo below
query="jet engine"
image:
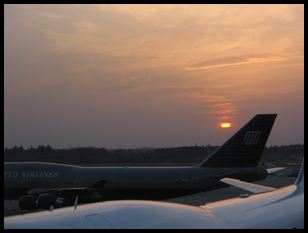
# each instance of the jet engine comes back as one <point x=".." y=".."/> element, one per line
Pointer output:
<point x="45" y="200"/>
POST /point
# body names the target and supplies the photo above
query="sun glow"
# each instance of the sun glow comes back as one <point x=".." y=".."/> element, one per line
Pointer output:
<point x="225" y="125"/>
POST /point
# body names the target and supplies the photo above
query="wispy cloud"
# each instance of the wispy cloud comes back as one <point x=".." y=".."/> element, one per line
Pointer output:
<point x="218" y="107"/>
<point x="236" y="60"/>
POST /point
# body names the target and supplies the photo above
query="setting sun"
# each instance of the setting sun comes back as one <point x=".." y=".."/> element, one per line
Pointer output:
<point x="225" y="125"/>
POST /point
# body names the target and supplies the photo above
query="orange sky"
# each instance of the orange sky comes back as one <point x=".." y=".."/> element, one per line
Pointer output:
<point x="150" y="75"/>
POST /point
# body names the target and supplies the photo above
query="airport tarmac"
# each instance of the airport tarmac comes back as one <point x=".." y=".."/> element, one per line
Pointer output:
<point x="11" y="207"/>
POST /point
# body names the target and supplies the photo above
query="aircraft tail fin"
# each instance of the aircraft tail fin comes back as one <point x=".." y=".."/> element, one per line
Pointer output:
<point x="243" y="149"/>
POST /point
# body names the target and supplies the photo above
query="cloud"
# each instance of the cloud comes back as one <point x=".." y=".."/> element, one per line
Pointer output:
<point x="173" y="34"/>
<point x="236" y="60"/>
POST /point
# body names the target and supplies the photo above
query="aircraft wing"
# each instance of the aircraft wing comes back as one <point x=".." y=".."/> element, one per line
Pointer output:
<point x="254" y="188"/>
<point x="69" y="191"/>
<point x="275" y="169"/>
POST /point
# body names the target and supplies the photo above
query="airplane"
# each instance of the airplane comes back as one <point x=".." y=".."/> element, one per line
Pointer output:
<point x="41" y="185"/>
<point x="268" y="208"/>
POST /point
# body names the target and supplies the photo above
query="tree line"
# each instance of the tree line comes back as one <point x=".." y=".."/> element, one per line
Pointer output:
<point x="92" y="155"/>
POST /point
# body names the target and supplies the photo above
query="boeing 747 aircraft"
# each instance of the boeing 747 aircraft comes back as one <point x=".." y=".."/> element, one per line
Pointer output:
<point x="41" y="185"/>
<point x="281" y="208"/>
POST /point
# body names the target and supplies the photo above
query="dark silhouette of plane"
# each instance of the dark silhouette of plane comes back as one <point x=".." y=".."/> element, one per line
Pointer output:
<point x="41" y="185"/>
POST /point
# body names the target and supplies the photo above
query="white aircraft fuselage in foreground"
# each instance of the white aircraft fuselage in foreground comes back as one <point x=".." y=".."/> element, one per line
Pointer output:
<point x="282" y="208"/>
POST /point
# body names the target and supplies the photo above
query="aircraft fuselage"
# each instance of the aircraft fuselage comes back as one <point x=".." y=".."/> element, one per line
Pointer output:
<point x="120" y="182"/>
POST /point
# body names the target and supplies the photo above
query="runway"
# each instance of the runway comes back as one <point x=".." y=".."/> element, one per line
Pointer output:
<point x="11" y="207"/>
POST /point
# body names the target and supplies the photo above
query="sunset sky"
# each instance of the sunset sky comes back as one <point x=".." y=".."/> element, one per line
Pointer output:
<point x="132" y="76"/>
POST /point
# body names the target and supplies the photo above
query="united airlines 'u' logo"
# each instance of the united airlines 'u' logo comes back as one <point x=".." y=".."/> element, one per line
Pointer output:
<point x="251" y="137"/>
